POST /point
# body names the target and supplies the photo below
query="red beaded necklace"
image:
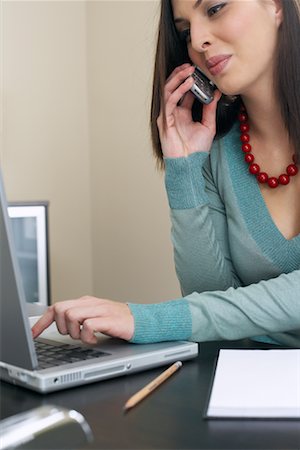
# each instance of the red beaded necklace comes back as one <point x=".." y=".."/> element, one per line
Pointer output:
<point x="254" y="169"/>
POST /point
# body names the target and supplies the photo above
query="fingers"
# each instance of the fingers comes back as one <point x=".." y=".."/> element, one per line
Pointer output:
<point x="43" y="323"/>
<point x="69" y="321"/>
<point x="177" y="70"/>
<point x="56" y="313"/>
<point x="90" y="327"/>
<point x="62" y="310"/>
<point x="75" y="318"/>
<point x="187" y="101"/>
<point x="83" y="317"/>
<point x="209" y="112"/>
<point x="177" y="95"/>
<point x="179" y="77"/>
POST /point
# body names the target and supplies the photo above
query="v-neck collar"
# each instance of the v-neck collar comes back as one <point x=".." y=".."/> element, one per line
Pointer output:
<point x="284" y="252"/>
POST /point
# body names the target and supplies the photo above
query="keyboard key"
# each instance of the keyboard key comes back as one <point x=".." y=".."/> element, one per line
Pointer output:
<point x="55" y="355"/>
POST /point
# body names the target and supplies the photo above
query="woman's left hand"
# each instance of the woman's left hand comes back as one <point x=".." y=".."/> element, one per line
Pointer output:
<point x="84" y="317"/>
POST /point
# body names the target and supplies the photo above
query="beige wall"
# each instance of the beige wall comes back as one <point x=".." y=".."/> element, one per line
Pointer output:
<point x="77" y="84"/>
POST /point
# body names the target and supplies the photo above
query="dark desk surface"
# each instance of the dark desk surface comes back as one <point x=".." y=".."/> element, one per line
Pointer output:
<point x="170" y="418"/>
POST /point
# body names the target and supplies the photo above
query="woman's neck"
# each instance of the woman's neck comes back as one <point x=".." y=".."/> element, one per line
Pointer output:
<point x="267" y="125"/>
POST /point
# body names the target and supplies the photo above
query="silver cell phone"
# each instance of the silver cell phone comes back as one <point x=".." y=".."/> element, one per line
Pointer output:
<point x="203" y="88"/>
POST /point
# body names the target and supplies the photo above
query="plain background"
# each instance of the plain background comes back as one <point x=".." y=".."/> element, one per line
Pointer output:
<point x="76" y="80"/>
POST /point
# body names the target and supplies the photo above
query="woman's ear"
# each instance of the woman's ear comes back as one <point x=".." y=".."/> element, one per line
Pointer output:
<point x="278" y="11"/>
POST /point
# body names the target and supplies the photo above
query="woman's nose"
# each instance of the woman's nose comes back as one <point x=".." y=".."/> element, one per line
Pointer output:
<point x="200" y="38"/>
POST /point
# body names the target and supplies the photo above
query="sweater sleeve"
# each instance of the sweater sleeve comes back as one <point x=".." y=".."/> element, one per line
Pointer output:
<point x="270" y="307"/>
<point x="199" y="226"/>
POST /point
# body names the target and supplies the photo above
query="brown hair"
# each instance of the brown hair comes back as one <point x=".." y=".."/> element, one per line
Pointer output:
<point x="172" y="52"/>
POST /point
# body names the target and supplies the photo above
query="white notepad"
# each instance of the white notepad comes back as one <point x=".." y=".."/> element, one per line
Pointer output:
<point x="256" y="384"/>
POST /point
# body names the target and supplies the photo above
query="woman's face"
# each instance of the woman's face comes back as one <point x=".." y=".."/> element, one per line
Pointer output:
<point x="233" y="41"/>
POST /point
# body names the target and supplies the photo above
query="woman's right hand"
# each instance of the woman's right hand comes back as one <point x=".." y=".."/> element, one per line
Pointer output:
<point x="179" y="134"/>
<point x="83" y="317"/>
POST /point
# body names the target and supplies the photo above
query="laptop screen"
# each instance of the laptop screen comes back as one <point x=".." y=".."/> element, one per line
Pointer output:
<point x="30" y="231"/>
<point x="17" y="346"/>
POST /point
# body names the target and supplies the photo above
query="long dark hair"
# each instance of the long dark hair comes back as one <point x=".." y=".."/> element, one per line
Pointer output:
<point x="172" y="52"/>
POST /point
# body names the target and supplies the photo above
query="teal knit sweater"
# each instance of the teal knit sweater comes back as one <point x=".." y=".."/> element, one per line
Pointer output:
<point x="238" y="274"/>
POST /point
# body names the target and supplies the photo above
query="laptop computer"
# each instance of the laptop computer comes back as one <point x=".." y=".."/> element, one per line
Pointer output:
<point x="77" y="364"/>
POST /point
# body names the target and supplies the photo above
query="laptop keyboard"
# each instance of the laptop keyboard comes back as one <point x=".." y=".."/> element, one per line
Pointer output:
<point x="55" y="355"/>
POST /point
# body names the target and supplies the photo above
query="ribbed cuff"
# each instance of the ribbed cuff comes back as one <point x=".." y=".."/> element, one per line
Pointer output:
<point x="166" y="321"/>
<point x="185" y="182"/>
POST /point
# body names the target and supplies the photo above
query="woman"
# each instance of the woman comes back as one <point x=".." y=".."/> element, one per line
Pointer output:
<point x="231" y="177"/>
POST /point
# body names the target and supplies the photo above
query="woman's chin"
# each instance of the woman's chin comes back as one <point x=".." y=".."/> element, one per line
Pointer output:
<point x="228" y="89"/>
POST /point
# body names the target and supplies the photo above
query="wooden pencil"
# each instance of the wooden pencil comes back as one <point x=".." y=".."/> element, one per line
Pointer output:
<point x="140" y="395"/>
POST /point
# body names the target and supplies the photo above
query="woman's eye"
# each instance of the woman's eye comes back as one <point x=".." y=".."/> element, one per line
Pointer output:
<point x="184" y="35"/>
<point x="215" y="9"/>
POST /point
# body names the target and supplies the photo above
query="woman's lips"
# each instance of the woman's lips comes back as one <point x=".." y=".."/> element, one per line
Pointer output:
<point x="216" y="64"/>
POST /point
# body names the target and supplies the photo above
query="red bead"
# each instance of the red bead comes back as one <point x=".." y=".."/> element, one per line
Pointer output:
<point x="249" y="158"/>
<point x="244" y="127"/>
<point x="262" y="177"/>
<point x="292" y="170"/>
<point x="246" y="148"/>
<point x="254" y="169"/>
<point x="243" y="117"/>
<point x="245" y="138"/>
<point x="273" y="182"/>
<point x="284" y="179"/>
